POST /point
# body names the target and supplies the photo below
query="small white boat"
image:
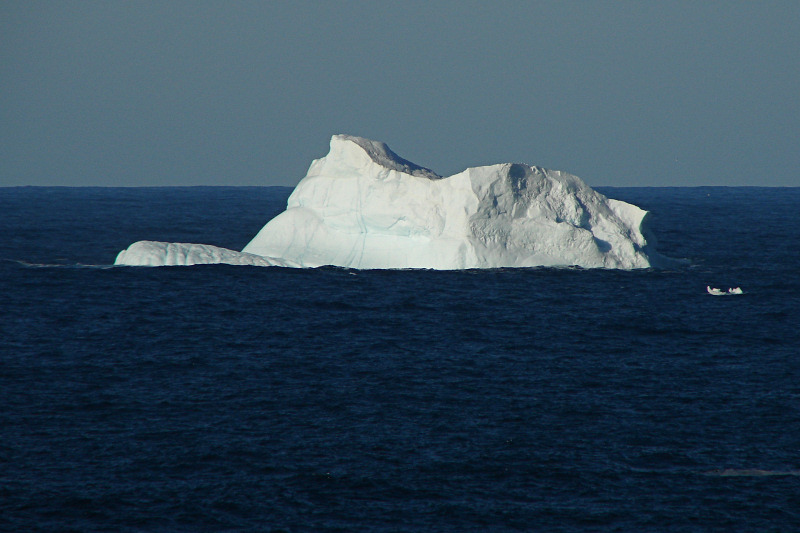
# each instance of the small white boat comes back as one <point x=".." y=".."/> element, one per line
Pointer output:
<point x="719" y="292"/>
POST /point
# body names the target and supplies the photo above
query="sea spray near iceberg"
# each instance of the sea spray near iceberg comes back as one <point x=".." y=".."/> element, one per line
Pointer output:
<point x="362" y="206"/>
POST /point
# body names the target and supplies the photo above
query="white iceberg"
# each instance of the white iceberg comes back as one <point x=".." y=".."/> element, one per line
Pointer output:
<point x="155" y="253"/>
<point x="364" y="207"/>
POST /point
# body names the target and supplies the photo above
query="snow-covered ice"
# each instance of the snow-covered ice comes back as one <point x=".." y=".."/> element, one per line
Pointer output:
<point x="362" y="206"/>
<point x="155" y="253"/>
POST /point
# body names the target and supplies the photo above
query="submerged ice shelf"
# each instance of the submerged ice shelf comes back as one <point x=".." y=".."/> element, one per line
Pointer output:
<point x="363" y="206"/>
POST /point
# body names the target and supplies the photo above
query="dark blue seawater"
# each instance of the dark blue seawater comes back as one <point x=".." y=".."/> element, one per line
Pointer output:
<point x="216" y="397"/>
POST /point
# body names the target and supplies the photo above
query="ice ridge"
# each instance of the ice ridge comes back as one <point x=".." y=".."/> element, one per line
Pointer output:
<point x="381" y="154"/>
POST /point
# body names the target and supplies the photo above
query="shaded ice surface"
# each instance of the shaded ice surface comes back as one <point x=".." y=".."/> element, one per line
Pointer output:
<point x="362" y="206"/>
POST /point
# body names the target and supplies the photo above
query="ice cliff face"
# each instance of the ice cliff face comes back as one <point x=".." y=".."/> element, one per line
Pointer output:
<point x="363" y="206"/>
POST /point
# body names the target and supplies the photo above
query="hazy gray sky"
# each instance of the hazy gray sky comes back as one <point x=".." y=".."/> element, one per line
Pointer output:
<point x="248" y="93"/>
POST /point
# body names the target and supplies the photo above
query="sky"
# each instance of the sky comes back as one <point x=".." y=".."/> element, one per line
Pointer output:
<point x="644" y="93"/>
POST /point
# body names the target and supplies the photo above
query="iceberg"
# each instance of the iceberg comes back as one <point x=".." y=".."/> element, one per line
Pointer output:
<point x="362" y="206"/>
<point x="156" y="253"/>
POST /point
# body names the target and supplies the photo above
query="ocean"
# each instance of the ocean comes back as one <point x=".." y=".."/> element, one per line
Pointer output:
<point x="231" y="398"/>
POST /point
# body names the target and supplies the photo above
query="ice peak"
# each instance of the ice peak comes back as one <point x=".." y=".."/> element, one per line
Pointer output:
<point x="381" y="154"/>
